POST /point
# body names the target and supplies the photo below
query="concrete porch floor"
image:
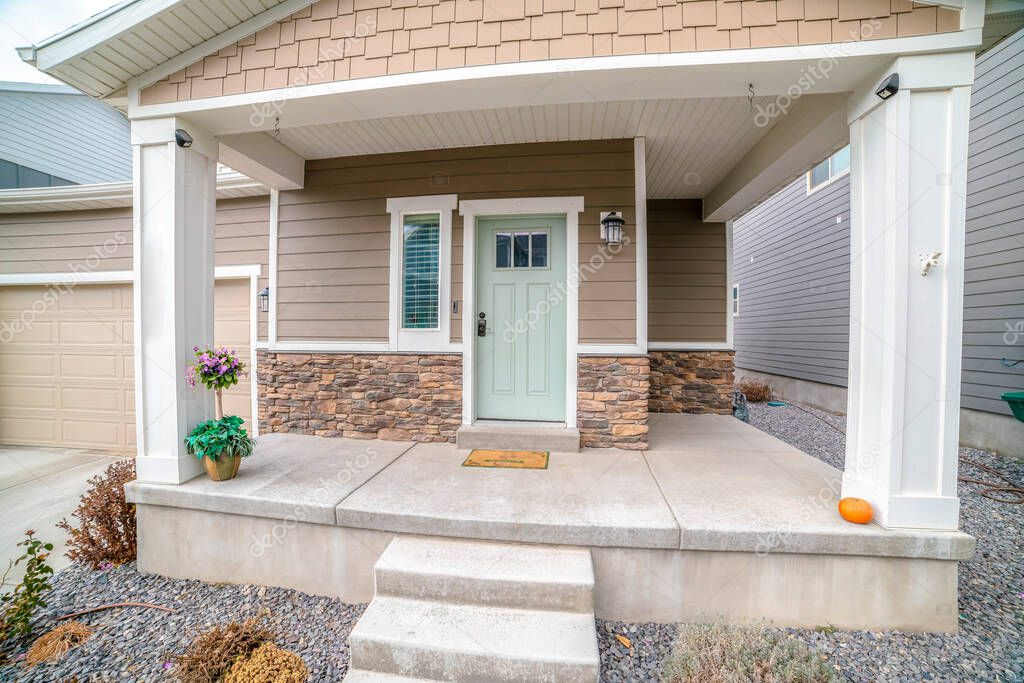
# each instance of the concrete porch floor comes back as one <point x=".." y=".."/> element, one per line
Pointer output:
<point x="708" y="482"/>
<point x="717" y="520"/>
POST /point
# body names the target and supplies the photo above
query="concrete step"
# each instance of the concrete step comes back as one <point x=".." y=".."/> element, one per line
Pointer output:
<point x="364" y="676"/>
<point x="510" y="436"/>
<point x="455" y="642"/>
<point x="490" y="574"/>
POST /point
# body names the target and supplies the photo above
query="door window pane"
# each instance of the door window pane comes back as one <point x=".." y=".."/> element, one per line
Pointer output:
<point x="539" y="250"/>
<point x="521" y="250"/>
<point x="420" y="266"/>
<point x="502" y="250"/>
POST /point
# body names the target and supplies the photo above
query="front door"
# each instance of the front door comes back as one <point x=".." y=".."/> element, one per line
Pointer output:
<point x="520" y="294"/>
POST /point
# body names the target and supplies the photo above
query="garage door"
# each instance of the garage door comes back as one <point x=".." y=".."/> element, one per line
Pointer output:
<point x="66" y="364"/>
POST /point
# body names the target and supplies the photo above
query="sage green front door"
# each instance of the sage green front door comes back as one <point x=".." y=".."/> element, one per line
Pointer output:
<point x="520" y="292"/>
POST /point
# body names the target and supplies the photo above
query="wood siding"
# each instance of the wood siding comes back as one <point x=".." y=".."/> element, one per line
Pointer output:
<point x="337" y="40"/>
<point x="334" y="234"/>
<point x="792" y="259"/>
<point x="101" y="240"/>
<point x="686" y="265"/>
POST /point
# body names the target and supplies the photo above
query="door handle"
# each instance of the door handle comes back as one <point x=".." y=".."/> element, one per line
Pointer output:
<point x="481" y="325"/>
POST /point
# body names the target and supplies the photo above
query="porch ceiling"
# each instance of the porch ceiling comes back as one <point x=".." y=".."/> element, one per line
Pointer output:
<point x="691" y="143"/>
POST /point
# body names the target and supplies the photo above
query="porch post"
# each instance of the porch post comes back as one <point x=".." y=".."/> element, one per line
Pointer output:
<point x="173" y="220"/>
<point x="908" y="183"/>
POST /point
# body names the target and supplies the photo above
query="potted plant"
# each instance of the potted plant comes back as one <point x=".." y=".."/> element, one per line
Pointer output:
<point x="220" y="443"/>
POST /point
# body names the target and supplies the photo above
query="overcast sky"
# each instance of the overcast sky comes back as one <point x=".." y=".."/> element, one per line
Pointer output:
<point x="24" y="22"/>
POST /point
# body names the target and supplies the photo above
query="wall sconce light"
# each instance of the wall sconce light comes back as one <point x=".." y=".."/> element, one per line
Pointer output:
<point x="264" y="299"/>
<point x="611" y="227"/>
<point x="182" y="137"/>
<point x="889" y="87"/>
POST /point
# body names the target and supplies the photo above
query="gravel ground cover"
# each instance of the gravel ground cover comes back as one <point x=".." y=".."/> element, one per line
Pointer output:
<point x="134" y="644"/>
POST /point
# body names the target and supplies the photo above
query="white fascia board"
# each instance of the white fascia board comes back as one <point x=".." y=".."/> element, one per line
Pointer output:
<point x="107" y="194"/>
<point x="261" y="157"/>
<point x="504" y="84"/>
<point x="72" y="277"/>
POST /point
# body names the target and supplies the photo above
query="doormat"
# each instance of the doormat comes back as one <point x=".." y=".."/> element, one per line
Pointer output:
<point x="520" y="460"/>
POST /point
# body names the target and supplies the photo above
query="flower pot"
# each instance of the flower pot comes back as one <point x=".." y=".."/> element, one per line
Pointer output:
<point x="223" y="468"/>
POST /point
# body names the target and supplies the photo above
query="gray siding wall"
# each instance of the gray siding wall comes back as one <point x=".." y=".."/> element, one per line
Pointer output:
<point x="60" y="132"/>
<point x="792" y="259"/>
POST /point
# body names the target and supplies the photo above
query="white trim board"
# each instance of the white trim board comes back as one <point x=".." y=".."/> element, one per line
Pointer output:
<point x="690" y="346"/>
<point x="570" y="207"/>
<point x="640" y="182"/>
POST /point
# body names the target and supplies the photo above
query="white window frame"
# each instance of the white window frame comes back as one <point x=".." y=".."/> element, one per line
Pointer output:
<point x="735" y="299"/>
<point x="418" y="339"/>
<point x="832" y="177"/>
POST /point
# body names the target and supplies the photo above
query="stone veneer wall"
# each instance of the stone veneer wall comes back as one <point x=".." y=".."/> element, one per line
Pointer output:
<point x="612" y="398"/>
<point x="692" y="381"/>
<point x="399" y="397"/>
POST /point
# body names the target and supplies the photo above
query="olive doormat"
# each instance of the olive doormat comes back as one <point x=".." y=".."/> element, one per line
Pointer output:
<point x="523" y="460"/>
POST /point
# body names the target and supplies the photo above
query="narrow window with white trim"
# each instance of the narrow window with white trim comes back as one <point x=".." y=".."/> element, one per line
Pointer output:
<point x="419" y="307"/>
<point x="828" y="170"/>
<point x="735" y="300"/>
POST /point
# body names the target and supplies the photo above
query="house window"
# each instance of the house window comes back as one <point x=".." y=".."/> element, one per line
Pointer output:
<point x="419" y="291"/>
<point x="736" y="299"/>
<point x="828" y="170"/>
<point x="421" y="263"/>
<point x="520" y="250"/>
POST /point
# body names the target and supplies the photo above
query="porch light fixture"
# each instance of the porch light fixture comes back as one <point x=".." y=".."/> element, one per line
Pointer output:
<point x="611" y="227"/>
<point x="889" y="87"/>
<point x="264" y="298"/>
<point x="182" y="137"/>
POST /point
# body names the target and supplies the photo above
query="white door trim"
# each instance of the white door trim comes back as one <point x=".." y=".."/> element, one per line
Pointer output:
<point x="72" y="278"/>
<point x="472" y="209"/>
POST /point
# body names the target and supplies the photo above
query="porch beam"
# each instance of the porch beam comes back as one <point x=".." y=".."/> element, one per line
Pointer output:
<point x="908" y="182"/>
<point x="173" y="215"/>
<point x="262" y="158"/>
<point x="811" y="129"/>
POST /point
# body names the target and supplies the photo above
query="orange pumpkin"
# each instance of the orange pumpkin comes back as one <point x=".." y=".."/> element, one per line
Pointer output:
<point x="856" y="510"/>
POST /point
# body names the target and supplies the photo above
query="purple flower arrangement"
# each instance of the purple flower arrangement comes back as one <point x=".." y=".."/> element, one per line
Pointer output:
<point x="215" y="369"/>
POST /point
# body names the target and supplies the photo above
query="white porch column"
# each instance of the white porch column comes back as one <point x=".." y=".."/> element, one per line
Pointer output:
<point x="908" y="183"/>
<point x="173" y="218"/>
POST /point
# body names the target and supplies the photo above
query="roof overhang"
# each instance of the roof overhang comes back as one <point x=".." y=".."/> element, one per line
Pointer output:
<point x="108" y="195"/>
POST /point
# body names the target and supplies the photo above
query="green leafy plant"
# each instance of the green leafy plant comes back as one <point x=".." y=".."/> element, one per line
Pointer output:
<point x="27" y="596"/>
<point x="225" y="436"/>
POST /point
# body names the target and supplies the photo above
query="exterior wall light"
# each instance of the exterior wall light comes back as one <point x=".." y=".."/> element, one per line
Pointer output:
<point x="611" y="227"/>
<point x="182" y="137"/>
<point x="264" y="299"/>
<point x="889" y="87"/>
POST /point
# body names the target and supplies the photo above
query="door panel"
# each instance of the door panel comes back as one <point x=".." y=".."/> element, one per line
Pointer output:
<point x="520" y="362"/>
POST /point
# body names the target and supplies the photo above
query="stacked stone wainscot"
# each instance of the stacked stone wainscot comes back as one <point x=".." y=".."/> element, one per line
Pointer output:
<point x="399" y="397"/>
<point x="612" y="401"/>
<point x="692" y="381"/>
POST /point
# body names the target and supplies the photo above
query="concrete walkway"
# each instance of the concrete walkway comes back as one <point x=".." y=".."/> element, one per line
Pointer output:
<point x="38" y="488"/>
<point x="708" y="482"/>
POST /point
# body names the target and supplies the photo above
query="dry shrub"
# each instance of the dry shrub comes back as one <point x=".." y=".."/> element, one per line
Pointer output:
<point x="713" y="653"/>
<point x="106" y="521"/>
<point x="215" y="650"/>
<point x="269" y="664"/>
<point x="57" y="642"/>
<point x="756" y="390"/>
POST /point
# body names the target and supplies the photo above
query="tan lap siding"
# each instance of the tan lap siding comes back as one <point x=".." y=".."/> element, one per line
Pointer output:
<point x="687" y="273"/>
<point x="101" y="240"/>
<point x="66" y="241"/>
<point x="334" y="234"/>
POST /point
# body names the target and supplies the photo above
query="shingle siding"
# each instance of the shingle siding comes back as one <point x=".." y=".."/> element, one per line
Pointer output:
<point x="792" y="258"/>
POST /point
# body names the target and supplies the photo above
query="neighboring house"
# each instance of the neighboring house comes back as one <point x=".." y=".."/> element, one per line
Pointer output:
<point x="66" y="369"/>
<point x="53" y="135"/>
<point x="792" y="270"/>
